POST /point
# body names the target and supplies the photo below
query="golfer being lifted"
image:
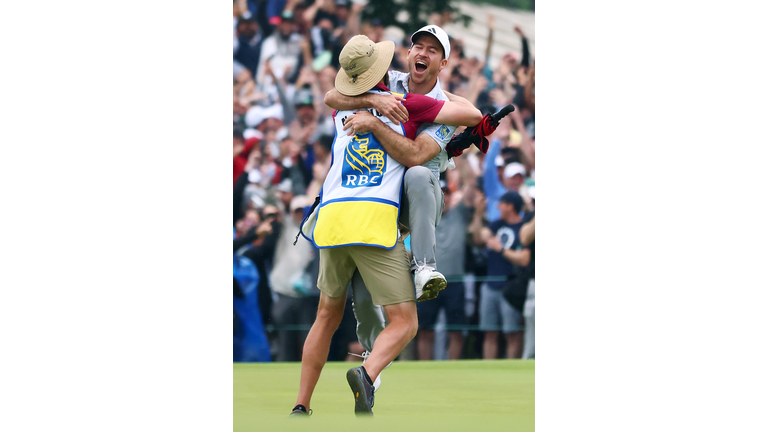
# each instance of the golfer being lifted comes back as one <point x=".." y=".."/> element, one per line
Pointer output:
<point x="423" y="203"/>
<point x="355" y="225"/>
<point x="423" y="199"/>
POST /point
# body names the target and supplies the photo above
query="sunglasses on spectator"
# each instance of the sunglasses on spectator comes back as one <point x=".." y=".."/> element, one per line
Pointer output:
<point x="269" y="215"/>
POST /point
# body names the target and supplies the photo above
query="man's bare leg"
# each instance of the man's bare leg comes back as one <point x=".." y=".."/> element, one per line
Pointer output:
<point x="455" y="345"/>
<point x="318" y="343"/>
<point x="403" y="325"/>
<point x="426" y="342"/>
<point x="514" y="344"/>
<point x="491" y="345"/>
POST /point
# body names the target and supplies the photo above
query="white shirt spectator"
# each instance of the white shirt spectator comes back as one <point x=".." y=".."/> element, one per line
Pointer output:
<point x="284" y="55"/>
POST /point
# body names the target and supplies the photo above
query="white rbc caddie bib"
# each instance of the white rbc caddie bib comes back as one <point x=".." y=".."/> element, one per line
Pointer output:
<point x="360" y="199"/>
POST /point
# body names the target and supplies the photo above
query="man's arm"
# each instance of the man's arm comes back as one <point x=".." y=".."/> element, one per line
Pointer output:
<point x="404" y="150"/>
<point x="424" y="148"/>
<point x="517" y="257"/>
<point x="319" y="173"/>
<point x="476" y="85"/>
<point x="289" y="111"/>
<point x="529" y="157"/>
<point x="389" y="106"/>
<point x="455" y="112"/>
<point x="525" y="61"/>
<point x="266" y="249"/>
<point x="520" y="257"/>
<point x="268" y="49"/>
<point x="466" y="174"/>
<point x="353" y="23"/>
<point x="528" y="152"/>
<point x="310" y="12"/>
<point x="528" y="232"/>
<point x="425" y="109"/>
<point x="491" y="28"/>
<point x="253" y="234"/>
<point x="460" y="107"/>
<point x="459" y="114"/>
<point x="480" y="233"/>
<point x="530" y="86"/>
<point x="491" y="184"/>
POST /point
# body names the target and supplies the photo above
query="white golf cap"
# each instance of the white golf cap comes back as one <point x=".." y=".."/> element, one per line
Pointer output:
<point x="298" y="202"/>
<point x="253" y="133"/>
<point x="439" y="33"/>
<point x="258" y="114"/>
<point x="254" y="117"/>
<point x="254" y="176"/>
<point x="285" y="186"/>
<point x="513" y="169"/>
<point x="281" y="134"/>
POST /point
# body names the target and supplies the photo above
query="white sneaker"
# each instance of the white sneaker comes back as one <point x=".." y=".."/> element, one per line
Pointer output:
<point x="429" y="283"/>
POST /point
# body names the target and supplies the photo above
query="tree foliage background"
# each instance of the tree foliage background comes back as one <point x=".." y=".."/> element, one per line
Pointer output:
<point x="419" y="10"/>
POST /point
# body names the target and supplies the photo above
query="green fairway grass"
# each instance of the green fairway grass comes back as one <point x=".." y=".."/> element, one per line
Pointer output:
<point x="464" y="395"/>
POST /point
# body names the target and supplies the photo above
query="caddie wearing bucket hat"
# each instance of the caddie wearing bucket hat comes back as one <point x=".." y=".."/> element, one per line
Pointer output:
<point x="355" y="224"/>
<point x="363" y="64"/>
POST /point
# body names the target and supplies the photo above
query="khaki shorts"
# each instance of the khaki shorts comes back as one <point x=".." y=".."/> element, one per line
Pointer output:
<point x="386" y="272"/>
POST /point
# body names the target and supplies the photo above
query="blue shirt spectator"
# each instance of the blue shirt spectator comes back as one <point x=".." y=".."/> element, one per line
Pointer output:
<point x="493" y="187"/>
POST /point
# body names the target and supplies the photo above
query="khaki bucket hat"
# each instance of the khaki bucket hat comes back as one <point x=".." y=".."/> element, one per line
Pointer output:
<point x="363" y="65"/>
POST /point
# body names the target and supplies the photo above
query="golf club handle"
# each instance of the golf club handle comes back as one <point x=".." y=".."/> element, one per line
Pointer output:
<point x="503" y="113"/>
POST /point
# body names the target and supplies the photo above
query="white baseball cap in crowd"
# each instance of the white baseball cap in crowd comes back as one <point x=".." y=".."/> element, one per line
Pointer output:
<point x="513" y="169"/>
<point x="257" y="201"/>
<point x="253" y="133"/>
<point x="298" y="202"/>
<point x="254" y="176"/>
<point x="285" y="186"/>
<point x="440" y="34"/>
<point x="281" y="134"/>
<point x="275" y="111"/>
<point x="254" y="116"/>
<point x="258" y="114"/>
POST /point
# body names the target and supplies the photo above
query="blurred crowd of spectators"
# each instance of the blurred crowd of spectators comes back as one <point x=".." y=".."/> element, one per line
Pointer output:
<point x="285" y="58"/>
